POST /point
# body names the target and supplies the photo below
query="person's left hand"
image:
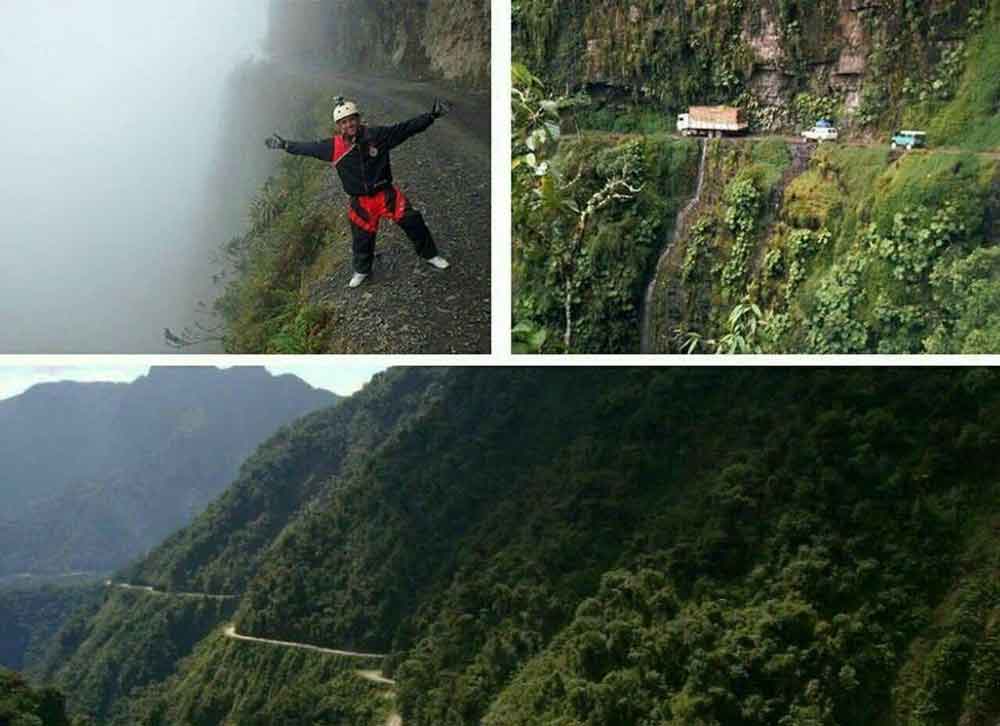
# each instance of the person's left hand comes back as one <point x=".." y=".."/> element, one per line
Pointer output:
<point x="276" y="142"/>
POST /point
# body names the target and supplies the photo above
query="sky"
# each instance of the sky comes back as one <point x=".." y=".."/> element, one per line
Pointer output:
<point x="341" y="378"/>
<point x="111" y="114"/>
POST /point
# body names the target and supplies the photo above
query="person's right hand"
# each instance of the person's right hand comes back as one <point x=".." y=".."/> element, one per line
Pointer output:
<point x="440" y="108"/>
<point x="275" y="142"/>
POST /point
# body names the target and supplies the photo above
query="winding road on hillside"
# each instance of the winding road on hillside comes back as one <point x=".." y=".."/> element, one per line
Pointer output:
<point x="154" y="591"/>
<point x="230" y="632"/>
<point x="373" y="676"/>
<point x="407" y="306"/>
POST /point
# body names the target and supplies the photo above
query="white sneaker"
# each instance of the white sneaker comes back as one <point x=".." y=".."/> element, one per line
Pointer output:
<point x="358" y="278"/>
<point x="439" y="262"/>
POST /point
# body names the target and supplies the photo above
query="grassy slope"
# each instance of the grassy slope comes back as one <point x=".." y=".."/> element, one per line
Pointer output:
<point x="292" y="241"/>
<point x="971" y="119"/>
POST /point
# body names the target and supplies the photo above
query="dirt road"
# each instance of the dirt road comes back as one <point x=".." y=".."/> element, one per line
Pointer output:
<point x="154" y="591"/>
<point x="373" y="676"/>
<point x="231" y="633"/>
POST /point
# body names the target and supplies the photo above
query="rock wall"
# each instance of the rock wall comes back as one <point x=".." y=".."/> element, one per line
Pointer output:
<point x="447" y="39"/>
<point x="762" y="53"/>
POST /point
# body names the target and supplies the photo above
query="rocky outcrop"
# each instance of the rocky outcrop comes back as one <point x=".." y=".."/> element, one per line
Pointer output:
<point x="716" y="51"/>
<point x="445" y="39"/>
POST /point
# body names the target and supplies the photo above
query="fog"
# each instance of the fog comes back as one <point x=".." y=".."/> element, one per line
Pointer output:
<point x="111" y="116"/>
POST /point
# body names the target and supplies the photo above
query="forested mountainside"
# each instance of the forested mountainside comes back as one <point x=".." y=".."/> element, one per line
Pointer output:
<point x="580" y="546"/>
<point x="94" y="474"/>
<point x="854" y="248"/>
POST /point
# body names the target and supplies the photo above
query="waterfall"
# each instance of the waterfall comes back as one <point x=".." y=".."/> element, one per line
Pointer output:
<point x="645" y="345"/>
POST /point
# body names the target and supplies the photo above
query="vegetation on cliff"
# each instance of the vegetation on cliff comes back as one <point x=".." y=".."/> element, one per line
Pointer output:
<point x="588" y="223"/>
<point x="863" y="251"/>
<point x="21" y="705"/>
<point x="30" y="614"/>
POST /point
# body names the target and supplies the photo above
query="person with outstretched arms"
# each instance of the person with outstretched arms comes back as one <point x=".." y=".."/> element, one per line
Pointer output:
<point x="360" y="154"/>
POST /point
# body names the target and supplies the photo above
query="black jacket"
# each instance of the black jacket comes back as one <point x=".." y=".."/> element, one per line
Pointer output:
<point x="363" y="167"/>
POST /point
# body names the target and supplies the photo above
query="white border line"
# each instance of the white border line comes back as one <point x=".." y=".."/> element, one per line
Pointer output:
<point x="500" y="314"/>
<point x="520" y="361"/>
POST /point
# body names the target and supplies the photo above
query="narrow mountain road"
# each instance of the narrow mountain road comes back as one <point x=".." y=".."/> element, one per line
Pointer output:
<point x="407" y="306"/>
<point x="171" y="593"/>
<point x="853" y="143"/>
<point x="230" y="632"/>
<point x="394" y="719"/>
<point x="373" y="676"/>
<point x="376" y="677"/>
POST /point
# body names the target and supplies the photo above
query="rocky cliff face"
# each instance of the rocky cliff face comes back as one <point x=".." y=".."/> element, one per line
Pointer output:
<point x="854" y="57"/>
<point x="424" y="38"/>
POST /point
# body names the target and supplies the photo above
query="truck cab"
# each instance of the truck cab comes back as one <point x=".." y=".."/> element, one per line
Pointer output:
<point x="823" y="131"/>
<point x="909" y="140"/>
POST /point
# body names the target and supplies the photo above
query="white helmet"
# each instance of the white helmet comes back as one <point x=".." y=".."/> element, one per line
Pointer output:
<point x="344" y="109"/>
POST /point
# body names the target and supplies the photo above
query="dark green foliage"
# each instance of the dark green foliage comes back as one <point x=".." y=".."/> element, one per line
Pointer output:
<point x="793" y="589"/>
<point x="258" y="685"/>
<point x="604" y="266"/>
<point x="218" y="553"/>
<point x="133" y="639"/>
<point x="31" y="614"/>
<point x="20" y="705"/>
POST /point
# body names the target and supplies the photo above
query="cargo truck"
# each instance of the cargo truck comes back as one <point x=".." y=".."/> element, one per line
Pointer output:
<point x="712" y="121"/>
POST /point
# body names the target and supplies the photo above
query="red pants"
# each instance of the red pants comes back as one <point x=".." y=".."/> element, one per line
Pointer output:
<point x="365" y="213"/>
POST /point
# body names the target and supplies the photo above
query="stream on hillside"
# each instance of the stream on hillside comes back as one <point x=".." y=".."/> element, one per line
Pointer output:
<point x="646" y="314"/>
